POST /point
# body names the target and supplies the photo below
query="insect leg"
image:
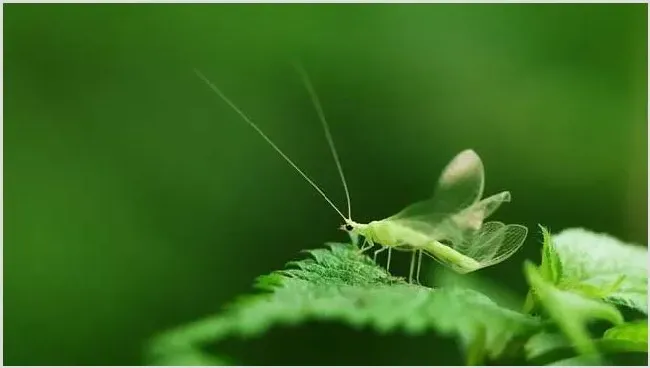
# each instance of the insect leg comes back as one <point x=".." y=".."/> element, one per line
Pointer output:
<point x="388" y="262"/>
<point x="367" y="244"/>
<point x="417" y="274"/>
<point x="411" y="268"/>
<point x="374" y="259"/>
<point x="362" y="248"/>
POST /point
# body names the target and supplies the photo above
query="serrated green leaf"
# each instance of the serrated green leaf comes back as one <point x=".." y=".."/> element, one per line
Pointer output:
<point x="446" y="278"/>
<point x="602" y="266"/>
<point x="551" y="266"/>
<point x="571" y="311"/>
<point x="339" y="284"/>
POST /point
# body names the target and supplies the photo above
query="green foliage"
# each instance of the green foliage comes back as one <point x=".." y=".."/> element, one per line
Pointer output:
<point x="544" y="346"/>
<point x="551" y="267"/>
<point x="567" y="294"/>
<point x="596" y="265"/>
<point x="543" y="343"/>
<point x="571" y="311"/>
<point x="340" y="284"/>
<point x="630" y="336"/>
<point x="583" y="276"/>
<point x="577" y="361"/>
<point x="604" y="267"/>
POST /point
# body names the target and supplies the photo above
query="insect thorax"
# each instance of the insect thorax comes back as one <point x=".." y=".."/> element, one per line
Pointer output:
<point x="391" y="234"/>
<point x="380" y="232"/>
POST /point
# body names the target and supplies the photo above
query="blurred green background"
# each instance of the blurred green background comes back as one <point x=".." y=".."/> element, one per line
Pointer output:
<point x="137" y="201"/>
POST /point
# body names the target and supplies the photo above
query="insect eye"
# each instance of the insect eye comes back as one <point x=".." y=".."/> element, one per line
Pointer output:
<point x="348" y="227"/>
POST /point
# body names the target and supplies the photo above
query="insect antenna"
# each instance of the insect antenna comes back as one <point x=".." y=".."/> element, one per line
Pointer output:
<point x="328" y="134"/>
<point x="266" y="138"/>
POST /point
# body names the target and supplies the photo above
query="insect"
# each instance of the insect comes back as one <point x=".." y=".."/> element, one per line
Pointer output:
<point x="449" y="227"/>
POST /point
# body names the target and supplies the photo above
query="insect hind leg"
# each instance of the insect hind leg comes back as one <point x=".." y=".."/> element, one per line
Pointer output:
<point x="411" y="268"/>
<point x="417" y="273"/>
<point x="388" y="261"/>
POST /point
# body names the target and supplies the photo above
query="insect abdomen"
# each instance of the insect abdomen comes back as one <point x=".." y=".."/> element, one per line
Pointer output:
<point x="451" y="257"/>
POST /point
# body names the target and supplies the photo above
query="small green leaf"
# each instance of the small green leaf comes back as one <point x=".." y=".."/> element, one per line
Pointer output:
<point x="599" y="265"/>
<point x="476" y="350"/>
<point x="551" y="267"/>
<point x="571" y="311"/>
<point x="633" y="336"/>
<point x="543" y="343"/>
<point x="603" y="291"/>
<point x="625" y="338"/>
<point x="581" y="360"/>
<point x="339" y="284"/>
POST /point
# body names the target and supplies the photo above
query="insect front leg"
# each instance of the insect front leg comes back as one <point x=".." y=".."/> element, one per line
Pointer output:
<point x="374" y="259"/>
<point x="367" y="244"/>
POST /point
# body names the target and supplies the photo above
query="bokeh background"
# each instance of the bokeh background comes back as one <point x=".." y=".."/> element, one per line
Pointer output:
<point x="136" y="200"/>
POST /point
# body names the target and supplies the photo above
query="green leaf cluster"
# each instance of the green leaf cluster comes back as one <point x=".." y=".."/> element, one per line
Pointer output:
<point x="338" y="284"/>
<point x="585" y="277"/>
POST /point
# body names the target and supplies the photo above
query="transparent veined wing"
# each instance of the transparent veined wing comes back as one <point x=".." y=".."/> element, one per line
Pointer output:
<point x="472" y="217"/>
<point x="460" y="185"/>
<point x="492" y="243"/>
<point x="456" y="228"/>
<point x="455" y="212"/>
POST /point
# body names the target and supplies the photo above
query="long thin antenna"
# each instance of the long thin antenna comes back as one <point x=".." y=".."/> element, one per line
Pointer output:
<point x="266" y="138"/>
<point x="328" y="134"/>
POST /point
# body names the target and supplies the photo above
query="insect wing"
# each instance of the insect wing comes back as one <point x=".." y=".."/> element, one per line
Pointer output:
<point x="493" y="243"/>
<point x="460" y="185"/>
<point x="472" y="217"/>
